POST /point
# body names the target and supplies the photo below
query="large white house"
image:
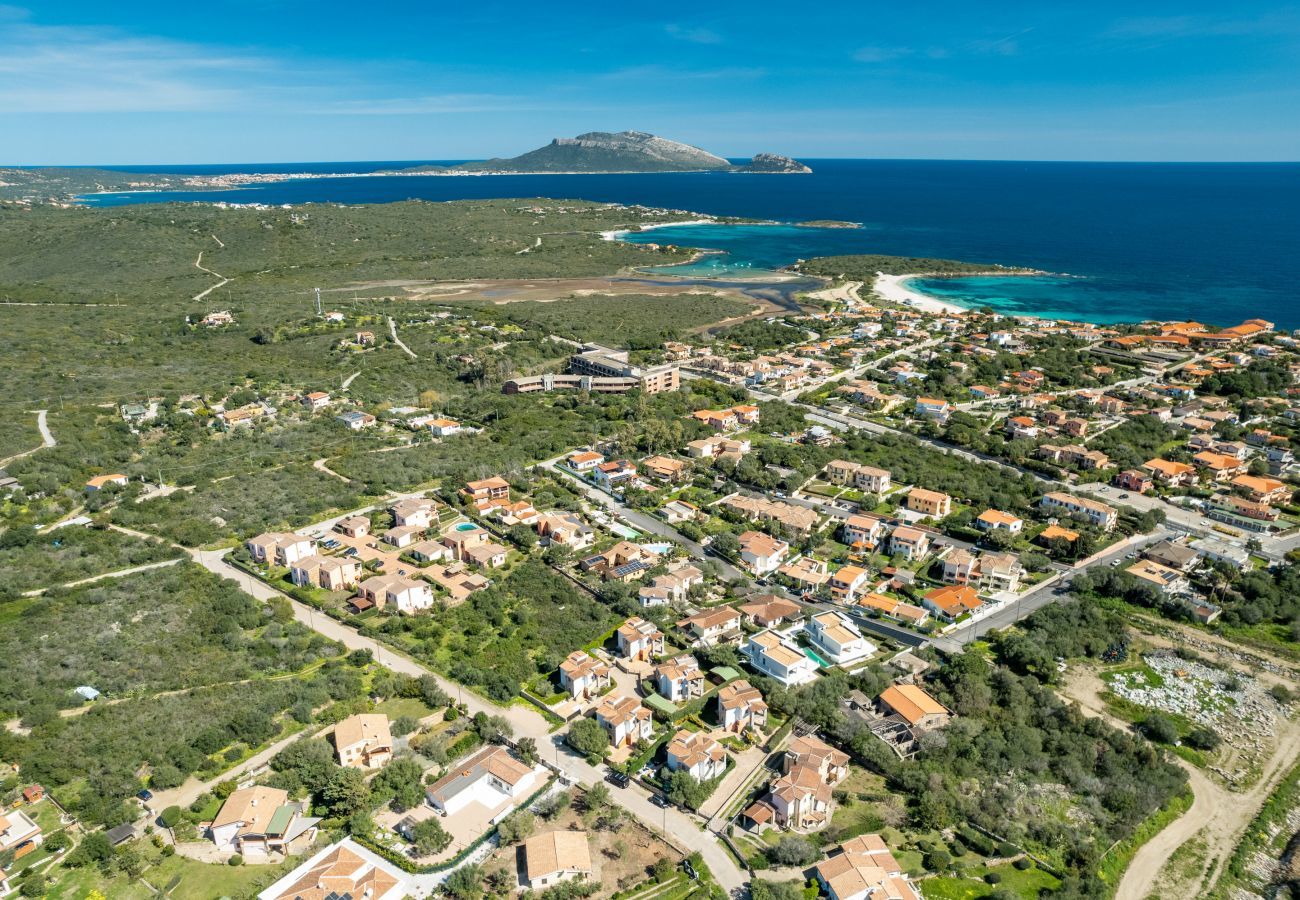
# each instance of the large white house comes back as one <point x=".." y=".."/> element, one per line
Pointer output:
<point x="404" y="594"/>
<point x="779" y="657"/>
<point x="258" y="821"/>
<point x="696" y="753"/>
<point x="489" y="778"/>
<point x="837" y="638"/>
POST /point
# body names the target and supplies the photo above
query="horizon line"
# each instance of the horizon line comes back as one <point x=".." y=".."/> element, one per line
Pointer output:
<point x="731" y="159"/>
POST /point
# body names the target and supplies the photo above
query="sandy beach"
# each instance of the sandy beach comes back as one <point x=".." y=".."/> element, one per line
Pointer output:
<point x="618" y="233"/>
<point x="894" y="289"/>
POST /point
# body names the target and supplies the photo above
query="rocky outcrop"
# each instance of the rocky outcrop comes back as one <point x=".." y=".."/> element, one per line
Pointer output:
<point x="774" y="164"/>
<point x="603" y="151"/>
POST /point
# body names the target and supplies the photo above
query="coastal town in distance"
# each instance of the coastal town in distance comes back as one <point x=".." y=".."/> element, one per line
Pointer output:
<point x="864" y="517"/>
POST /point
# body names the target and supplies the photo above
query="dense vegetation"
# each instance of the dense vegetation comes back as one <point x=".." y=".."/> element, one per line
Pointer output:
<point x="29" y="560"/>
<point x="1016" y="760"/>
<point x="181" y="658"/>
<point x="865" y="267"/>
<point x="503" y="636"/>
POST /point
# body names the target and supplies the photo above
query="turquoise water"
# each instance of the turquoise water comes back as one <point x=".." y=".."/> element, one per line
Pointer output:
<point x="1219" y="243"/>
<point x="467" y="526"/>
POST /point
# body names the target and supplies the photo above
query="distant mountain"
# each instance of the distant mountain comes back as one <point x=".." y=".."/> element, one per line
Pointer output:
<point x="603" y="151"/>
<point x="625" y="151"/>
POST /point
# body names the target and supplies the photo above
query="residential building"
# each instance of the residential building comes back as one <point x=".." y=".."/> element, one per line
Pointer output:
<point x="862" y="533"/>
<point x="363" y="741"/>
<point x="355" y="419"/>
<point x="556" y="857"/>
<point x="741" y="706"/>
<point x="343" y="869"/>
<point x="1097" y="513"/>
<point x="332" y="573"/>
<point x="19" y="832"/>
<point x="676" y="511"/>
<point x="864" y="869"/>
<point x="403" y="594"/>
<point x="837" y="638"/>
<point x="585" y="460"/>
<point x="1219" y="466"/>
<point x="280" y="548"/>
<point x="796" y="519"/>
<point x="99" y="482"/>
<point x="565" y="529"/>
<point x="697" y="754"/>
<point x="713" y="626"/>
<point x="680" y="679"/>
<point x="665" y="468"/>
<point x="933" y="409"/>
<point x="258" y="821"/>
<point x="952" y="601"/>
<point x="494" y="488"/>
<point x="403" y="536"/>
<point x="847" y="582"/>
<point x="894" y="609"/>
<point x="807" y="573"/>
<point x="445" y="427"/>
<point x="770" y="610"/>
<point x="778" y="656"/>
<point x="865" y="478"/>
<point x="625" y="720"/>
<point x="488" y="778"/>
<point x="354" y="526"/>
<point x="413" y="513"/>
<point x="624" y="562"/>
<point x="910" y="543"/>
<point x="639" y="640"/>
<point x="1170" y="473"/>
<point x="610" y="475"/>
<point x="1174" y="555"/>
<point x="801" y="797"/>
<point x="1163" y="578"/>
<point x="761" y="553"/>
<point x="316" y="400"/>
<point x="1134" y="480"/>
<point x="1261" y="490"/>
<point x="583" y="676"/>
<point x="934" y="504"/>
<point x="674" y="587"/>
<point x="914" y="706"/>
<point x="997" y="520"/>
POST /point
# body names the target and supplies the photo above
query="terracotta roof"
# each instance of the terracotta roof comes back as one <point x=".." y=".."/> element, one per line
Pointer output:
<point x="370" y="729"/>
<point x="341" y="873"/>
<point x="556" y="851"/>
<point x="911" y="702"/>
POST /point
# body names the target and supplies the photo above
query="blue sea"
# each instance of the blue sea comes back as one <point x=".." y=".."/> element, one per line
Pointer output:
<point x="1125" y="241"/>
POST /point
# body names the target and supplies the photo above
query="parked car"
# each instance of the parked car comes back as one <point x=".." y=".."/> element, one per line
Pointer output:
<point x="618" y="779"/>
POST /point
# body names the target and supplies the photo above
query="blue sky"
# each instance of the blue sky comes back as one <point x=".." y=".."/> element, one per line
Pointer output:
<point x="259" y="80"/>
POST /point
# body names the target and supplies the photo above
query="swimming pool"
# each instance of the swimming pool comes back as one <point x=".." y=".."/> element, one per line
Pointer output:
<point x="467" y="526"/>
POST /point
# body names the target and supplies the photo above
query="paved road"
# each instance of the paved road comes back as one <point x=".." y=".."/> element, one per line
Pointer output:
<point x="1040" y="595"/>
<point x="392" y="329"/>
<point x="681" y="830"/>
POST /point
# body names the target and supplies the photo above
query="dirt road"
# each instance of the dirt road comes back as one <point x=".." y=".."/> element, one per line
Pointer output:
<point x="1217" y="815"/>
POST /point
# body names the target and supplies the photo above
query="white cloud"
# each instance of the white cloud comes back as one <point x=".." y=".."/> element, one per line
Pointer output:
<point x="881" y="54"/>
<point x="693" y="34"/>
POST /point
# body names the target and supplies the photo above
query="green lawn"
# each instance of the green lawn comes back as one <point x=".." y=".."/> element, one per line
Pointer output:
<point x="404" y="706"/>
<point x="178" y="877"/>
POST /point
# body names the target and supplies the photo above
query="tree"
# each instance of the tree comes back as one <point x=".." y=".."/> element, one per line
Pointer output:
<point x="515" y="828"/>
<point x="402" y="778"/>
<point x="429" y="837"/>
<point x="587" y="737"/>
<point x="792" y="850"/>
<point x="432" y="693"/>
<point x="170" y="816"/>
<point x="404" y="725"/>
<point x="1160" y="728"/>
<point x="527" y="750"/>
<point x="33" y="885"/>
<point x="663" y="869"/>
<point x="465" y="883"/>
<point x="775" y="890"/>
<point x="346" y="792"/>
<point x="492" y="729"/>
